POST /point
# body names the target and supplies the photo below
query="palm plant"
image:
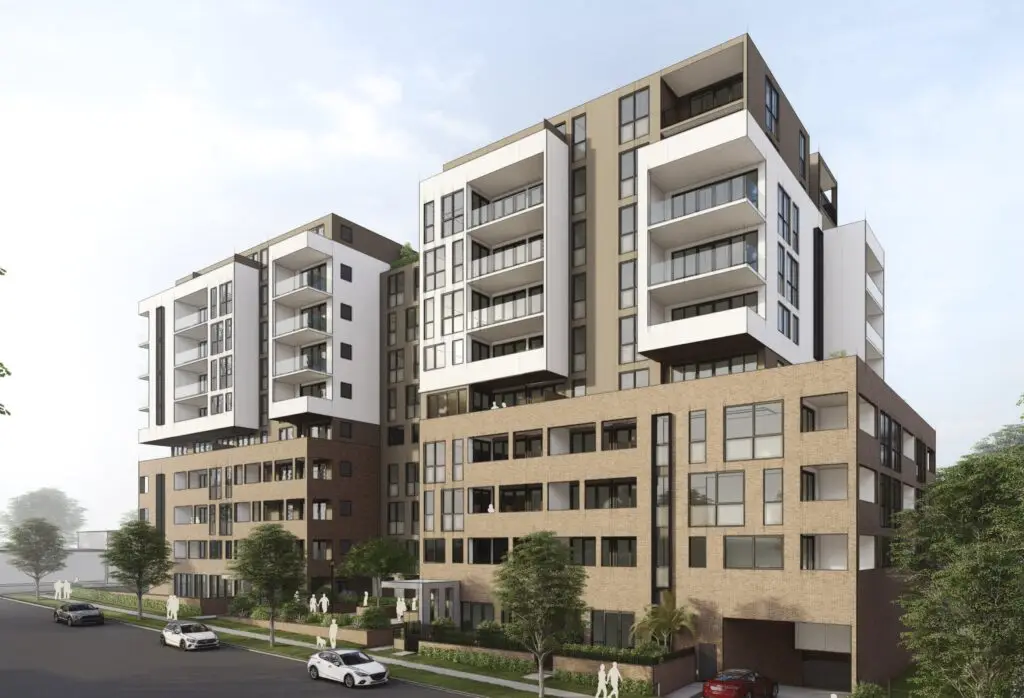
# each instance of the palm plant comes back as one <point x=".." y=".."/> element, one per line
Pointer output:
<point x="662" y="622"/>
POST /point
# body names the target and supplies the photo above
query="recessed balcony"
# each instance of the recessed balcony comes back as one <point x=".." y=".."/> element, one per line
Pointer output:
<point x="512" y="216"/>
<point x="517" y="318"/>
<point x="875" y="345"/>
<point x="685" y="160"/>
<point x="718" y="209"/>
<point x="301" y="330"/>
<point x="300" y="369"/>
<point x="874" y="300"/>
<point x="302" y="289"/>
<point x="724" y="267"/>
<point x="192" y="360"/>
<point x="191" y="324"/>
<point x="194" y="394"/>
<point x="513" y="267"/>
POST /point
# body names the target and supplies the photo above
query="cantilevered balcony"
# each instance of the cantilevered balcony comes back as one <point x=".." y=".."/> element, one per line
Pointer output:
<point x="302" y="368"/>
<point x="192" y="392"/>
<point x="512" y="266"/>
<point x="520" y="316"/>
<point x="722" y="268"/>
<point x="687" y="217"/>
<point x="303" y="328"/>
<point x="301" y="289"/>
<point x="510" y="216"/>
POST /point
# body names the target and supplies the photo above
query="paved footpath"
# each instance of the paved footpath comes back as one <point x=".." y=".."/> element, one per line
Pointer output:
<point x="482" y="678"/>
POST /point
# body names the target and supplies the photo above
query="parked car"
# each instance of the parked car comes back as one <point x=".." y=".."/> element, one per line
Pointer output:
<point x="740" y="683"/>
<point x="78" y="614"/>
<point x="187" y="635"/>
<point x="352" y="668"/>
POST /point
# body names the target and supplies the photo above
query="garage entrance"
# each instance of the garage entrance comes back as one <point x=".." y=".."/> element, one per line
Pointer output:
<point x="794" y="654"/>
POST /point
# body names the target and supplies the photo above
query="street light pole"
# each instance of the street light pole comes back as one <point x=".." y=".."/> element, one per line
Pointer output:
<point x="332" y="580"/>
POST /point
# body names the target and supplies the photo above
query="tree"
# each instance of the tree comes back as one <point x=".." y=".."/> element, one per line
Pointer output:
<point x="662" y="622"/>
<point x="272" y="562"/>
<point x="378" y="558"/>
<point x="1010" y="435"/>
<point x="37" y="549"/>
<point x="4" y="371"/>
<point x="128" y="517"/>
<point x="407" y="255"/>
<point x="139" y="557"/>
<point x="47" y="503"/>
<point x="959" y="555"/>
<point x="541" y="593"/>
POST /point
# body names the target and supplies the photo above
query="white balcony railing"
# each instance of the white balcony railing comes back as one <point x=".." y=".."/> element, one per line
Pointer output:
<point x="190" y="320"/>
<point x="300" y="322"/>
<point x="188" y="390"/>
<point x="300" y="363"/>
<point x="189" y="355"/>
<point x="718" y="194"/>
<point x="507" y="205"/>
<point x="874" y="337"/>
<point x="873" y="287"/>
<point x="726" y="254"/>
<point x="306" y="279"/>
<point x="507" y="258"/>
<point x="511" y="310"/>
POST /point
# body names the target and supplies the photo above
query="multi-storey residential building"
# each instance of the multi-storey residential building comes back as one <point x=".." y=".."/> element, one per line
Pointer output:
<point x="643" y="328"/>
<point x="264" y="380"/>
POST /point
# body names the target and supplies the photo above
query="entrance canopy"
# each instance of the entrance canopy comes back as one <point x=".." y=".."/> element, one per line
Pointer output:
<point x="436" y="598"/>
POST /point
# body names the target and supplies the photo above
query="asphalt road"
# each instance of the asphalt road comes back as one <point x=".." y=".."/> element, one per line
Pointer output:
<point x="41" y="658"/>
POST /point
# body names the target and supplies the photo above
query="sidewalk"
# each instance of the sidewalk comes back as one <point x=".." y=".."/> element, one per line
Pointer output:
<point x="480" y="678"/>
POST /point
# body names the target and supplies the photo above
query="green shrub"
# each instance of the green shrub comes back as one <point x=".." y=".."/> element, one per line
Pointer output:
<point x="644" y="655"/>
<point x="294" y="612"/>
<point x="260" y="613"/>
<point x="241" y="606"/>
<point x="373" y="618"/>
<point x="349" y="599"/>
<point x="383" y="600"/>
<point x="130" y="602"/>
<point x="868" y="690"/>
<point x="488" y="626"/>
<point x="344" y="619"/>
<point x="627" y="687"/>
<point x="443" y="623"/>
<point x="481" y="660"/>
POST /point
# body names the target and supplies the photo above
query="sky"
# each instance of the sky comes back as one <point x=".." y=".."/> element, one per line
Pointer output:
<point x="140" y="141"/>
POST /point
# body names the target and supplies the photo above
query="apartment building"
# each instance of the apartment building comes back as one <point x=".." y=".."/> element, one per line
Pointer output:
<point x="263" y="376"/>
<point x="643" y="327"/>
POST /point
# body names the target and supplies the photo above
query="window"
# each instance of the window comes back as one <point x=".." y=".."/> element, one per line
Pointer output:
<point x="458" y="457"/>
<point x="452" y="218"/>
<point x="612" y="629"/>
<point x="346" y="233"/>
<point x="579" y="243"/>
<point x="627" y="229"/>
<point x="618" y="434"/>
<point x="610" y="494"/>
<point x="753" y="431"/>
<point x="579" y="349"/>
<point x="716" y="499"/>
<point x="412" y="324"/>
<point x="627" y="174"/>
<point x="428" y="318"/>
<point x="785" y="220"/>
<point x="520" y="498"/>
<point x="618" y="552"/>
<point x="563" y="496"/>
<point x="393" y="474"/>
<point x="345" y="311"/>
<point x="639" y="378"/>
<point x="396" y="289"/>
<point x="527" y="444"/>
<point x="801" y="149"/>
<point x="458" y="261"/>
<point x="344" y="272"/>
<point x="396" y="436"/>
<point x="433" y="357"/>
<point x="433" y="462"/>
<point x="433" y="550"/>
<point x="579" y="138"/>
<point x="627" y="339"/>
<point x="698" y="436"/>
<point x="412" y="479"/>
<point x="582" y="551"/>
<point x="144" y="484"/>
<point x="428" y="222"/>
<point x="771" y="108"/>
<point x="344" y="390"/>
<point x="579" y="190"/>
<point x="698" y="552"/>
<point x="773" y="497"/>
<point x="634" y="116"/>
<point x="789" y="324"/>
<point x="627" y="284"/>
<point x="788" y="277"/>
<point x="487" y="551"/>
<point x="392" y="397"/>
<point x="412" y="402"/>
<point x="345" y="350"/>
<point x="579" y="296"/>
<point x="753" y="552"/>
<point x="428" y="510"/>
<point x="452" y="313"/>
<point x="453" y="510"/>
<point x="433" y="269"/>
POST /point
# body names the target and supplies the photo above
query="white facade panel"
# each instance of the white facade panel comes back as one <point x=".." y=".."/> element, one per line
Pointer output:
<point x="288" y="260"/>
<point x="540" y="157"/>
<point x="187" y="355"/>
<point x="722" y="149"/>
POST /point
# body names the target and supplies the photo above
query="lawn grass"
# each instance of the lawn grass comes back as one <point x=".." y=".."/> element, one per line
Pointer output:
<point x="298" y="637"/>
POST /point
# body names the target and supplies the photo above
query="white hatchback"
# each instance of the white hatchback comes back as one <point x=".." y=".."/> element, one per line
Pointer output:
<point x="351" y="667"/>
<point x="189" y="636"/>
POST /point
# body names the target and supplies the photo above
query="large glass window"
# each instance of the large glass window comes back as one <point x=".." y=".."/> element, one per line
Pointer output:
<point x="753" y="431"/>
<point x="716" y="499"/>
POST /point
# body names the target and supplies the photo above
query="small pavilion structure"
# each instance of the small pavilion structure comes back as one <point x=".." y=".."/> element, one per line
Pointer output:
<point x="436" y="598"/>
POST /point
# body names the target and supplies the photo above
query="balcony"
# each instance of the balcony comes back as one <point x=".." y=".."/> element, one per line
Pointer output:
<point x="875" y="303"/>
<point x="192" y="324"/>
<point x="192" y="393"/>
<point x="875" y="346"/>
<point x="300" y="369"/>
<point x="513" y="267"/>
<point x="509" y="217"/>
<point x="144" y="344"/>
<point x="193" y="360"/>
<point x="716" y="209"/>
<point x="516" y="318"/>
<point x="828" y="208"/>
<point x="301" y="290"/>
<point x="144" y="373"/>
<point x="301" y="330"/>
<point x="665" y="333"/>
<point x="725" y="267"/>
<point x="703" y="90"/>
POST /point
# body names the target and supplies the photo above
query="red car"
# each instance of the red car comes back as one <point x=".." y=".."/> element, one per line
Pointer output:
<point x="740" y="683"/>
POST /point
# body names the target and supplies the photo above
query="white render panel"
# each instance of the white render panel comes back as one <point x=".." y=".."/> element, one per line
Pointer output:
<point x="245" y="326"/>
<point x="772" y="171"/>
<point x="555" y="355"/>
<point x="362" y="372"/>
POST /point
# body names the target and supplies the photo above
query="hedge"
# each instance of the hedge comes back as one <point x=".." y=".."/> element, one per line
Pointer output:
<point x="131" y="602"/>
<point x="627" y="687"/>
<point x="480" y="660"/>
<point x="645" y="655"/>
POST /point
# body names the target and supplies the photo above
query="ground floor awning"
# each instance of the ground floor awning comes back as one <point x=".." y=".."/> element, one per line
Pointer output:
<point x="434" y="598"/>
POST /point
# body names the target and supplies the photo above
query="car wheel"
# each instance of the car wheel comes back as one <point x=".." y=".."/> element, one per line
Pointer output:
<point x="71" y="621"/>
<point x="349" y="681"/>
<point x="313" y="673"/>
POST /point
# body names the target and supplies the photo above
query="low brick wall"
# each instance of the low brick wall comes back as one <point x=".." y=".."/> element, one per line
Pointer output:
<point x="671" y="675"/>
<point x="443" y="646"/>
<point x="364" y="638"/>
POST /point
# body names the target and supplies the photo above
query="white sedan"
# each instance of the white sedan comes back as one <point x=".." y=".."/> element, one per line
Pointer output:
<point x="352" y="668"/>
<point x="189" y="636"/>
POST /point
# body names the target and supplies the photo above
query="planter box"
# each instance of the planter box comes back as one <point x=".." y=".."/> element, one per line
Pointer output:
<point x="510" y="654"/>
<point x="670" y="675"/>
<point x="363" y="638"/>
